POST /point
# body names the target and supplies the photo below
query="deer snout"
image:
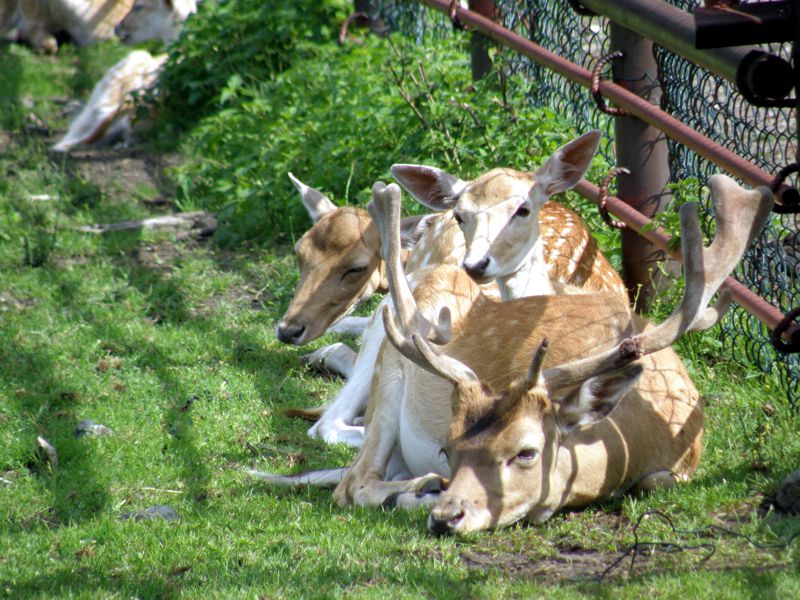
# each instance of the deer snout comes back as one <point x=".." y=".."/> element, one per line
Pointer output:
<point x="444" y="518"/>
<point x="477" y="270"/>
<point x="290" y="334"/>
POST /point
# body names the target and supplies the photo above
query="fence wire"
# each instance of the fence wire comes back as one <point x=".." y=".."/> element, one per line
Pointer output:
<point x="705" y="102"/>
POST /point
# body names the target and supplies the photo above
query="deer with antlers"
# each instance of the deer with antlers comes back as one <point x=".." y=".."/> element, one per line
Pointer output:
<point x="524" y="427"/>
<point x="499" y="226"/>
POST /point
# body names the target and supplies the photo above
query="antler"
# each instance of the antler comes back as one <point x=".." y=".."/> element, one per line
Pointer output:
<point x="385" y="211"/>
<point x="740" y="215"/>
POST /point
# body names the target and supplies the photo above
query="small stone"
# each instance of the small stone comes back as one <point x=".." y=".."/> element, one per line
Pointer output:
<point x="48" y="451"/>
<point x="89" y="427"/>
<point x="159" y="510"/>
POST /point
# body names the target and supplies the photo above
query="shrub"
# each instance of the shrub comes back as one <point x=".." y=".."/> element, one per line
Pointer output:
<point x="249" y="39"/>
<point x="340" y="116"/>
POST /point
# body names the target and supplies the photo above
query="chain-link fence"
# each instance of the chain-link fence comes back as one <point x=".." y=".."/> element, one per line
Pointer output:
<point x="705" y="102"/>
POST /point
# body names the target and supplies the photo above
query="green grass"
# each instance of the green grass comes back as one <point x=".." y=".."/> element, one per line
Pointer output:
<point x="171" y="345"/>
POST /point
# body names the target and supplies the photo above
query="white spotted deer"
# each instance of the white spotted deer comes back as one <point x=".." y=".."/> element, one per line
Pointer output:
<point x="523" y="427"/>
<point x="511" y="234"/>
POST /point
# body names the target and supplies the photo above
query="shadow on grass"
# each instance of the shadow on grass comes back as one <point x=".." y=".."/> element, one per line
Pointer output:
<point x="50" y="404"/>
<point x="10" y="87"/>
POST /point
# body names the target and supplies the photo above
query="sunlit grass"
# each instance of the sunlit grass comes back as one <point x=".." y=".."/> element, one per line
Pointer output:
<point x="171" y="346"/>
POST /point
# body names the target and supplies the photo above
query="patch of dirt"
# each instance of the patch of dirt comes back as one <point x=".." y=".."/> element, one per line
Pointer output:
<point x="9" y="302"/>
<point x="569" y="565"/>
<point x="572" y="561"/>
<point x="126" y="171"/>
<point x="256" y="300"/>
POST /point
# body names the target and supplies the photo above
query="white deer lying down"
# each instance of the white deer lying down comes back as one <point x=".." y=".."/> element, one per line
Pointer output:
<point x="108" y="112"/>
<point x="523" y="438"/>
<point x="155" y="20"/>
<point x="86" y="21"/>
<point x="500" y="214"/>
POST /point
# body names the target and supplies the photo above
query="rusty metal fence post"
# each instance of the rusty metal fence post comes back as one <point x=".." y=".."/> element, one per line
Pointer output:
<point x="642" y="149"/>
<point x="481" y="61"/>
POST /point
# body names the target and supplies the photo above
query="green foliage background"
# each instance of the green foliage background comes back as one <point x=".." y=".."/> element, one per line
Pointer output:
<point x="337" y="116"/>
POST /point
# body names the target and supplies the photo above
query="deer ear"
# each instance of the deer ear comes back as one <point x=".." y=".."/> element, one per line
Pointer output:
<point x="597" y="397"/>
<point x="412" y="228"/>
<point x="565" y="168"/>
<point x="429" y="186"/>
<point x="317" y="204"/>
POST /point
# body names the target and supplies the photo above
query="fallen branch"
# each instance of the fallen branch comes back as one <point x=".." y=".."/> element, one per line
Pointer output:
<point x="203" y="222"/>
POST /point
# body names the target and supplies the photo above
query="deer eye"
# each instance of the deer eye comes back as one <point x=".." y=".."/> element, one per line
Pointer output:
<point x="526" y="455"/>
<point x="354" y="271"/>
<point x="523" y="211"/>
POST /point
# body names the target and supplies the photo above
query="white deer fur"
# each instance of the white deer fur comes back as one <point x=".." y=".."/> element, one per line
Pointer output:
<point x="487" y="210"/>
<point x="108" y="111"/>
<point x="155" y="20"/>
<point x="86" y="21"/>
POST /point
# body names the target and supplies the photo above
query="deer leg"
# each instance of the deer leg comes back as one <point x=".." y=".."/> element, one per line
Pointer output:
<point x="336" y="423"/>
<point x="336" y="358"/>
<point x="407" y="494"/>
<point x="380" y="453"/>
<point x="350" y="326"/>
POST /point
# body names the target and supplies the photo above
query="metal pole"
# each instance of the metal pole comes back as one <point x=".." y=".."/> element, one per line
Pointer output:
<point x="643" y="150"/>
<point x="674" y="29"/>
<point x="481" y="61"/>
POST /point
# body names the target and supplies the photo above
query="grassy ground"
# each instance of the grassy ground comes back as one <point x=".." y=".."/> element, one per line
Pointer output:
<point x="171" y="345"/>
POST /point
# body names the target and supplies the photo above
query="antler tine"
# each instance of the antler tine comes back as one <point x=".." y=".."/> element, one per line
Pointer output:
<point x="419" y="351"/>
<point x="385" y="211"/>
<point x="740" y="215"/>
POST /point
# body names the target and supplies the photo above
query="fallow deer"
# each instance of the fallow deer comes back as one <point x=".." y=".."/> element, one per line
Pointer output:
<point x="523" y="439"/>
<point x="527" y="244"/>
<point x="155" y="20"/>
<point x="86" y="21"/>
<point x="107" y="113"/>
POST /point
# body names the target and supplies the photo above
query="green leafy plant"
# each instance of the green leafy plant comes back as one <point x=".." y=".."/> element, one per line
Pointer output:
<point x="340" y="117"/>
<point x="248" y="40"/>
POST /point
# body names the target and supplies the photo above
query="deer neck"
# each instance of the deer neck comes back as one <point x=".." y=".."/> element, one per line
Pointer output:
<point x="530" y="278"/>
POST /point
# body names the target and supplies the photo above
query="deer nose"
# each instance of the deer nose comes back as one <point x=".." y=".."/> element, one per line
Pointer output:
<point x="290" y="334"/>
<point x="443" y="521"/>
<point x="477" y="270"/>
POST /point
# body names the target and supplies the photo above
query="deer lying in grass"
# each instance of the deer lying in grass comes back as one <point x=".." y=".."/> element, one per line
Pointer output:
<point x="107" y="114"/>
<point x="86" y="21"/>
<point x="108" y="111"/>
<point x="340" y="267"/>
<point x="499" y="214"/>
<point x="604" y="407"/>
